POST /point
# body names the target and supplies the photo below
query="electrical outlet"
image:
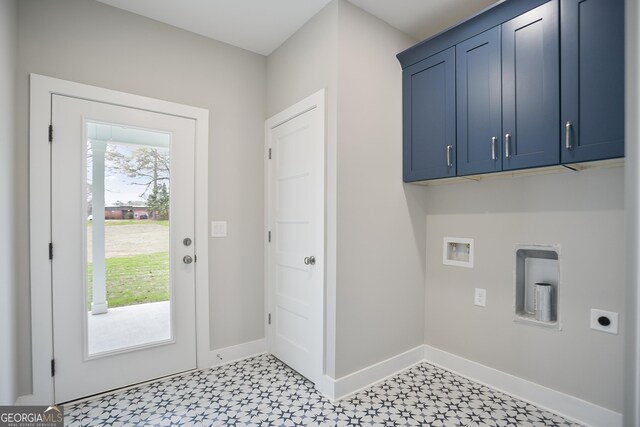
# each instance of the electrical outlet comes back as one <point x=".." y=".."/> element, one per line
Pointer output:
<point x="480" y="298"/>
<point x="605" y="321"/>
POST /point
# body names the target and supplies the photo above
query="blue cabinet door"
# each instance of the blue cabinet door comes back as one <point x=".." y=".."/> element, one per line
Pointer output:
<point x="429" y="114"/>
<point x="531" y="88"/>
<point x="592" y="76"/>
<point x="479" y="106"/>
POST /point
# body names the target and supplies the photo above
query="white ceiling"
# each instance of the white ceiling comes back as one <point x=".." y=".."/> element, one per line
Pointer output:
<point x="262" y="25"/>
<point x="256" y="25"/>
<point x="423" y="18"/>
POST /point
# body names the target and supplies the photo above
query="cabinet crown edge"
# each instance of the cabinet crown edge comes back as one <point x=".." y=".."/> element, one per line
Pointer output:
<point x="493" y="16"/>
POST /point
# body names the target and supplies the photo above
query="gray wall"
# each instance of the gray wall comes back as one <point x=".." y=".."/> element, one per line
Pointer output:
<point x="304" y="64"/>
<point x="89" y="42"/>
<point x="375" y="267"/>
<point x="584" y="213"/>
<point x="632" y="298"/>
<point x="380" y="274"/>
<point x="8" y="348"/>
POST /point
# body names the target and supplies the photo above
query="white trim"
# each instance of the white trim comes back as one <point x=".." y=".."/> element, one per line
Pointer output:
<point x="350" y="384"/>
<point x="235" y="352"/>
<point x="567" y="406"/>
<point x="40" y="227"/>
<point x="315" y="101"/>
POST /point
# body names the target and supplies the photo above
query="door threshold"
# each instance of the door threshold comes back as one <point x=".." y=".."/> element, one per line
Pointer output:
<point x="128" y="387"/>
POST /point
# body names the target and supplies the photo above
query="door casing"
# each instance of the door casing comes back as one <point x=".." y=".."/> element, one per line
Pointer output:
<point x="40" y="227"/>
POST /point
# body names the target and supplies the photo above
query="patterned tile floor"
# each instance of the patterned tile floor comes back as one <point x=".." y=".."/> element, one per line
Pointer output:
<point x="262" y="391"/>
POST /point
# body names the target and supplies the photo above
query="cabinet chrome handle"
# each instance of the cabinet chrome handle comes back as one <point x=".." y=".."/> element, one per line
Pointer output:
<point x="507" y="142"/>
<point x="567" y="136"/>
<point x="449" y="162"/>
<point x="494" y="141"/>
<point x="310" y="260"/>
<point x="187" y="259"/>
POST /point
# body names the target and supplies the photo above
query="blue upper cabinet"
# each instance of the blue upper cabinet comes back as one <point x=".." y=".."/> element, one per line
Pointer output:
<point x="525" y="84"/>
<point x="531" y="88"/>
<point x="479" y="104"/>
<point x="592" y="53"/>
<point x="429" y="99"/>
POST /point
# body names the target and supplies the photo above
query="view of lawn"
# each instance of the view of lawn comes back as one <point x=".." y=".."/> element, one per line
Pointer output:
<point x="121" y="222"/>
<point x="136" y="263"/>
<point x="135" y="279"/>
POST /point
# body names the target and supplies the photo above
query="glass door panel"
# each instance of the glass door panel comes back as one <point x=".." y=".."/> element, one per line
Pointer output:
<point x="128" y="277"/>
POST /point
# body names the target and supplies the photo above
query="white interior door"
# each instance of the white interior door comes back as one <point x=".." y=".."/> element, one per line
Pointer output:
<point x="122" y="205"/>
<point x="295" y="255"/>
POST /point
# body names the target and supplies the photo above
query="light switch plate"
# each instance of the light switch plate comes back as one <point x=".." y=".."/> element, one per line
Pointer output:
<point x="218" y="228"/>
<point x="480" y="298"/>
<point x="609" y="318"/>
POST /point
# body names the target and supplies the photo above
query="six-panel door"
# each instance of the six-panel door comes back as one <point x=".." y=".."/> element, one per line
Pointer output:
<point x="479" y="106"/>
<point x="429" y="97"/>
<point x="592" y="126"/>
<point x="531" y="88"/>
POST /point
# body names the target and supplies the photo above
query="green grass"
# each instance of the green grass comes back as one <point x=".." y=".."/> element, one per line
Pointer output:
<point x="121" y="222"/>
<point x="135" y="280"/>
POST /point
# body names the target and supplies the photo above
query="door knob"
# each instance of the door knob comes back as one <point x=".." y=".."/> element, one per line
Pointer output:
<point x="186" y="241"/>
<point x="187" y="259"/>
<point x="310" y="260"/>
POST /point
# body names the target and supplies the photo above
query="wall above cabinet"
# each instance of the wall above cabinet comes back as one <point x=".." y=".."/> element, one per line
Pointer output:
<point x="485" y="96"/>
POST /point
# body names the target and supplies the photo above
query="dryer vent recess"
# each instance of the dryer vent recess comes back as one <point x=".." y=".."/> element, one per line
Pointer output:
<point x="537" y="280"/>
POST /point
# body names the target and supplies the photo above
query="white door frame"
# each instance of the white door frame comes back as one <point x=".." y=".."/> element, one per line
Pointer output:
<point x="42" y="88"/>
<point x="314" y="101"/>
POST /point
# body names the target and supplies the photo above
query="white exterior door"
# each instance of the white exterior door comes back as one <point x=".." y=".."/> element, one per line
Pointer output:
<point x="123" y="286"/>
<point x="295" y="255"/>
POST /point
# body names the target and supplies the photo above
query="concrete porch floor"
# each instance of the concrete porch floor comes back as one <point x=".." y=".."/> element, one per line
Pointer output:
<point x="129" y="326"/>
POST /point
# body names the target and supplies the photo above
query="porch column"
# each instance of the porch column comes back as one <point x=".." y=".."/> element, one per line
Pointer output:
<point x="99" y="303"/>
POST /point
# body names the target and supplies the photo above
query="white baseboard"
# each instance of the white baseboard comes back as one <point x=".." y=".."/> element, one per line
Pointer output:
<point x="554" y="401"/>
<point x="567" y="406"/>
<point x="28" y="400"/>
<point x="222" y="356"/>
<point x="364" y="378"/>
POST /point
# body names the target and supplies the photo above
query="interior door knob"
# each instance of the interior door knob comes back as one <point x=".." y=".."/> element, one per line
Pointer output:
<point x="310" y="260"/>
<point x="187" y="259"/>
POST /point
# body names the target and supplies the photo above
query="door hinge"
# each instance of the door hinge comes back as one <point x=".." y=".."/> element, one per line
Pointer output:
<point x="269" y="153"/>
<point x="269" y="236"/>
<point x="269" y="318"/>
<point x="53" y="368"/>
<point x="50" y="250"/>
<point x="50" y="133"/>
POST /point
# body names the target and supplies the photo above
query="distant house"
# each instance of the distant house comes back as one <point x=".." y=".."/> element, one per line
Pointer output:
<point x="126" y="212"/>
